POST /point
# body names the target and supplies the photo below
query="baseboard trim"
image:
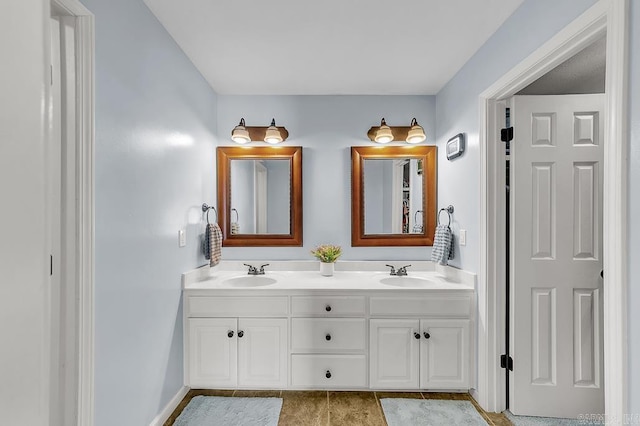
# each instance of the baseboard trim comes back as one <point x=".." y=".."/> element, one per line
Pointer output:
<point x="166" y="412"/>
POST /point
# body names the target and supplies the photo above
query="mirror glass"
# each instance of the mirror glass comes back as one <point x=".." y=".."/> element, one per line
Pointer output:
<point x="393" y="196"/>
<point x="260" y="196"/>
<point x="260" y="192"/>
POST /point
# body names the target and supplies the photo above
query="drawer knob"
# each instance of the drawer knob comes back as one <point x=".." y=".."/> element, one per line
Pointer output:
<point x="328" y="374"/>
<point x="426" y="335"/>
<point x="416" y="335"/>
<point x="230" y="334"/>
<point x="240" y="333"/>
<point x="328" y="308"/>
<point x="328" y="337"/>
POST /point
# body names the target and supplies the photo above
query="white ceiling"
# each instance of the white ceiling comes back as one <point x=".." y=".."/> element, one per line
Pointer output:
<point x="280" y="47"/>
<point x="582" y="73"/>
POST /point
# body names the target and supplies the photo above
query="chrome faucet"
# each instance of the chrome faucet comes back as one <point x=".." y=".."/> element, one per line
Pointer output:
<point x="400" y="272"/>
<point x="255" y="271"/>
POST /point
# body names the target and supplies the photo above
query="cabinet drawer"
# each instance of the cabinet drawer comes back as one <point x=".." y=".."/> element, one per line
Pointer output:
<point x="432" y="306"/>
<point x="327" y="305"/>
<point x="207" y="306"/>
<point x="344" y="371"/>
<point x="328" y="335"/>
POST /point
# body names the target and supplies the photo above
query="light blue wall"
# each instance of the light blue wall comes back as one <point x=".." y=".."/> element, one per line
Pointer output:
<point x="634" y="211"/>
<point x="278" y="205"/>
<point x="155" y="138"/>
<point x="528" y="28"/>
<point x="326" y="126"/>
<point x="242" y="198"/>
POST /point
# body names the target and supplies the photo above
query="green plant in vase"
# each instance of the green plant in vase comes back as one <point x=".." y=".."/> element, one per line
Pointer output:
<point x="327" y="254"/>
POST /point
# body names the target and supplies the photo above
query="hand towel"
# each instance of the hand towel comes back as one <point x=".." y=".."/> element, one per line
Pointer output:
<point x="442" y="249"/>
<point x="235" y="228"/>
<point x="213" y="244"/>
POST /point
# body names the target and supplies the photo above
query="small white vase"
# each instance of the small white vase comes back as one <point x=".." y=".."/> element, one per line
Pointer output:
<point x="326" y="269"/>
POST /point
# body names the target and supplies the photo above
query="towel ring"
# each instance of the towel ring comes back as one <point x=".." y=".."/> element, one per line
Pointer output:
<point x="207" y="208"/>
<point x="415" y="216"/>
<point x="237" y="215"/>
<point x="449" y="210"/>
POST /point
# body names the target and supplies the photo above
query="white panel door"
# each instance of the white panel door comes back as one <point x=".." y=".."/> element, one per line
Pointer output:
<point x="262" y="352"/>
<point x="556" y="246"/>
<point x="394" y="353"/>
<point x="444" y="355"/>
<point x="213" y="352"/>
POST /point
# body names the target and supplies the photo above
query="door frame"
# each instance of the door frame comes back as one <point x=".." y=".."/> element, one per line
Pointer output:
<point x="606" y="16"/>
<point x="83" y="232"/>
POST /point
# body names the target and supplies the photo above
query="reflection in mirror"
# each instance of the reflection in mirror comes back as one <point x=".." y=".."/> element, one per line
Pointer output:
<point x="393" y="196"/>
<point x="260" y="196"/>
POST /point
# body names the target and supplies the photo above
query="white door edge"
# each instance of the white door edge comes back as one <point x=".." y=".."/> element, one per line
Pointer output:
<point x="84" y="227"/>
<point x="606" y="15"/>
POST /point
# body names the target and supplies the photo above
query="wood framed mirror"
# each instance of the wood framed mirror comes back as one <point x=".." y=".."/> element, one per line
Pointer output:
<point x="260" y="196"/>
<point x="393" y="195"/>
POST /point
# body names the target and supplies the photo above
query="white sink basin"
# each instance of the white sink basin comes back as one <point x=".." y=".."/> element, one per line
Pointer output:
<point x="249" y="281"/>
<point x="406" y="282"/>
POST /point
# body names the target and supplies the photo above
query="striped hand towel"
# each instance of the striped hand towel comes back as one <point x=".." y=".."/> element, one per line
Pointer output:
<point x="213" y="244"/>
<point x="442" y="249"/>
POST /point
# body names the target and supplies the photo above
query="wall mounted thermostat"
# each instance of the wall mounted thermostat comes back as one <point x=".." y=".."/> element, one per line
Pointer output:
<point x="455" y="146"/>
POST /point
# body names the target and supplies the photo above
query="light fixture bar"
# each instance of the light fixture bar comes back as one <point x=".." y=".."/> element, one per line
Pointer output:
<point x="257" y="133"/>
<point x="400" y="133"/>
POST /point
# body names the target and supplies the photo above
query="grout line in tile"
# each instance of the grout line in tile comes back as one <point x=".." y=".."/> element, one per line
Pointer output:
<point x="328" y="411"/>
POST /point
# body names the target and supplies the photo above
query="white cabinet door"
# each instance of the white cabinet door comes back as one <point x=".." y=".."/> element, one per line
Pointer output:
<point x="262" y="352"/>
<point x="212" y="352"/>
<point x="444" y="355"/>
<point x="394" y="353"/>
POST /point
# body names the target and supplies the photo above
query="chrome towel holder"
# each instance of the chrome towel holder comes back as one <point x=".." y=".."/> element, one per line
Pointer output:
<point x="449" y="210"/>
<point x="207" y="208"/>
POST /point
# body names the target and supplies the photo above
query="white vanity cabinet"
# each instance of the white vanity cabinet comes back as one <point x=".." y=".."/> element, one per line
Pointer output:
<point x="422" y="342"/>
<point x="242" y="351"/>
<point x="328" y="342"/>
<point x="343" y="335"/>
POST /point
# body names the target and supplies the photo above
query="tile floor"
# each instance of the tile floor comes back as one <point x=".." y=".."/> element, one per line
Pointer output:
<point x="322" y="408"/>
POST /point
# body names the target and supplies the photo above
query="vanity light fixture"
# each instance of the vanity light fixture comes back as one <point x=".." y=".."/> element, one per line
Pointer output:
<point x="384" y="134"/>
<point x="273" y="134"/>
<point x="416" y="133"/>
<point x="240" y="134"/>
<point x="412" y="134"/>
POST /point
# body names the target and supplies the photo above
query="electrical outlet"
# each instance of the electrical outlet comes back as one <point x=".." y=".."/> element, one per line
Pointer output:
<point x="463" y="237"/>
<point x="182" y="238"/>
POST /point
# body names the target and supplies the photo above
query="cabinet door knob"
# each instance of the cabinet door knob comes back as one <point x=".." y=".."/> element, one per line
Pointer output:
<point x="328" y="337"/>
<point x="426" y="335"/>
<point x="416" y="335"/>
<point x="230" y="334"/>
<point x="240" y="333"/>
<point x="328" y="374"/>
<point x="328" y="308"/>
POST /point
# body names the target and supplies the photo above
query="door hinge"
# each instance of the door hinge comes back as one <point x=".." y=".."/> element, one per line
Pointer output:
<point x="50" y="265"/>
<point x="506" y="135"/>
<point x="51" y="74"/>
<point x="506" y="362"/>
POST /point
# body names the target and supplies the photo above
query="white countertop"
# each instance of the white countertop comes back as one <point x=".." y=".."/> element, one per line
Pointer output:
<point x="424" y="280"/>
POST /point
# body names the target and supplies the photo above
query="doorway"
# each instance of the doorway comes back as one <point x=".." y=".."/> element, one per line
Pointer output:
<point x="603" y="17"/>
<point x="69" y="210"/>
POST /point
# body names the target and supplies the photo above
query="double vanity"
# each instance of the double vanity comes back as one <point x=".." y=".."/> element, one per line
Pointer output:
<point x="362" y="328"/>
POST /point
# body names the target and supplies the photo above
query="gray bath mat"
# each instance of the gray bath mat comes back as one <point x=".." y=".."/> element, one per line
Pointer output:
<point x="546" y="421"/>
<point x="430" y="412"/>
<point x="227" y="411"/>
